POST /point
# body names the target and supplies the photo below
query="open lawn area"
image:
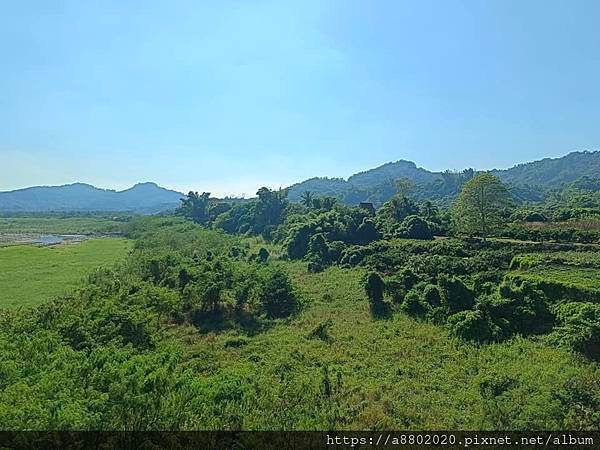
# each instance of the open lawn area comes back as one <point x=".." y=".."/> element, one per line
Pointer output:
<point x="31" y="275"/>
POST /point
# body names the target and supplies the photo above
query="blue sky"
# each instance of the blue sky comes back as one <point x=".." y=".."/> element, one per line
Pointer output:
<point x="226" y="96"/>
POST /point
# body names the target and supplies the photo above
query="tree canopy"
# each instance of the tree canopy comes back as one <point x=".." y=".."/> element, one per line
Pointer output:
<point x="195" y="207"/>
<point x="481" y="206"/>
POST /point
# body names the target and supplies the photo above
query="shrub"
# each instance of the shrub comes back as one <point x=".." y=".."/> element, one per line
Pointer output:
<point x="472" y="326"/>
<point x="321" y="331"/>
<point x="455" y="294"/>
<point x="318" y="248"/>
<point x="526" y="311"/>
<point x="534" y="216"/>
<point x="414" y="227"/>
<point x="413" y="305"/>
<point x="438" y="315"/>
<point x="580" y="398"/>
<point x="408" y="278"/>
<point x="555" y="284"/>
<point x="357" y="254"/>
<point x="395" y="289"/>
<point x="297" y="241"/>
<point x="579" y="328"/>
<point x="236" y="252"/>
<point x="367" y="232"/>
<point x="263" y="255"/>
<point x="374" y="287"/>
<point x="236" y="342"/>
<point x="243" y="290"/>
<point x="494" y="386"/>
<point x="211" y="297"/>
<point x="278" y="298"/>
<point x="432" y="295"/>
<point x="165" y="302"/>
<point x="315" y="266"/>
<point x="336" y="248"/>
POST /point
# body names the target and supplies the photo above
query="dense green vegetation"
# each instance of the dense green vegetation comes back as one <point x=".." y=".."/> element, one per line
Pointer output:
<point x="31" y="275"/>
<point x="269" y="314"/>
<point x="530" y="182"/>
<point x="194" y="331"/>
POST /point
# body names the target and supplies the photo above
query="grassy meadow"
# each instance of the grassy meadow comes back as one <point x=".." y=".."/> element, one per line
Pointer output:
<point x="62" y="225"/>
<point x="562" y="276"/>
<point x="30" y="275"/>
<point x="392" y="373"/>
<point x="585" y="277"/>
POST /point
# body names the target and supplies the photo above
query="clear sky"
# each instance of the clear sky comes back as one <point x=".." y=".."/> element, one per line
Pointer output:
<point x="226" y="96"/>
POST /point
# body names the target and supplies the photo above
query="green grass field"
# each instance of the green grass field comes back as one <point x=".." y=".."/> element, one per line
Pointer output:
<point x="560" y="275"/>
<point x="58" y="225"/>
<point x="568" y="258"/>
<point x="31" y="275"/>
<point x="395" y="373"/>
<point x="586" y="278"/>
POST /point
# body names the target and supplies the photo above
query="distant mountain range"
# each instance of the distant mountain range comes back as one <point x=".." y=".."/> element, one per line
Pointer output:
<point x="147" y="198"/>
<point x="529" y="182"/>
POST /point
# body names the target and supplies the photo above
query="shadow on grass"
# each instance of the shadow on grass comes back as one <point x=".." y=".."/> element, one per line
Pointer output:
<point x="381" y="311"/>
<point x="230" y="319"/>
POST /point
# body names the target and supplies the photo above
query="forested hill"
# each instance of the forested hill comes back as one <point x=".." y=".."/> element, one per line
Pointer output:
<point x="553" y="172"/>
<point x="529" y="181"/>
<point x="394" y="170"/>
<point x="141" y="198"/>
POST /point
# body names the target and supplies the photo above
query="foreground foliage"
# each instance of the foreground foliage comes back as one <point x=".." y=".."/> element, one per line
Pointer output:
<point x="197" y="331"/>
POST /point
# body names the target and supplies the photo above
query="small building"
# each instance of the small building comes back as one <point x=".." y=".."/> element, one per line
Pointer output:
<point x="368" y="206"/>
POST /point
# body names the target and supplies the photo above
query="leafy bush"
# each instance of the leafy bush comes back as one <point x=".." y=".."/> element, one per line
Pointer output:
<point x="395" y="289"/>
<point x="558" y="283"/>
<point x="557" y="232"/>
<point x="455" y="294"/>
<point x="519" y="314"/>
<point x="321" y="331"/>
<point x="492" y="386"/>
<point x="297" y="242"/>
<point x="278" y="298"/>
<point x="580" y="399"/>
<point x="414" y="227"/>
<point x="473" y="325"/>
<point x="318" y="248"/>
<point x="432" y="295"/>
<point x="413" y="305"/>
<point x="374" y="288"/>
<point x="526" y="261"/>
<point x="367" y="232"/>
<point x="316" y="266"/>
<point x="336" y="250"/>
<point x="578" y="328"/>
<point x="263" y="255"/>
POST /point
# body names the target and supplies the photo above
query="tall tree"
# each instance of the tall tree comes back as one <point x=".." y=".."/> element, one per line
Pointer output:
<point x="326" y="203"/>
<point x="396" y="210"/>
<point x="270" y="208"/>
<point x="428" y="209"/>
<point x="195" y="207"/>
<point x="481" y="206"/>
<point x="307" y="199"/>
